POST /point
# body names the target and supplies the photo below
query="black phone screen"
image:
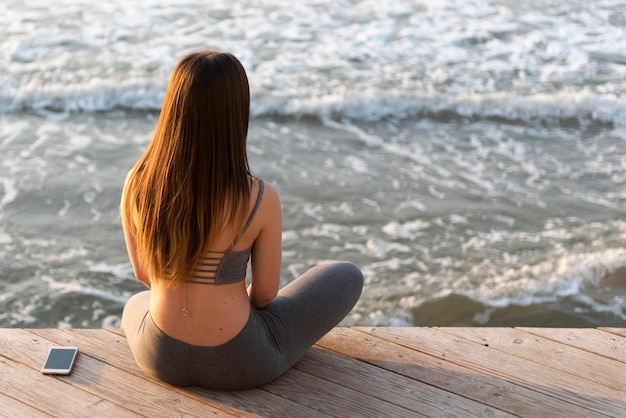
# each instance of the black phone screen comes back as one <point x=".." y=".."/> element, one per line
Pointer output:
<point x="60" y="358"/>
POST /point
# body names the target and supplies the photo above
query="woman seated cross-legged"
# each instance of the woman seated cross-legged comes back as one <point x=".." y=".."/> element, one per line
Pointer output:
<point x="193" y="217"/>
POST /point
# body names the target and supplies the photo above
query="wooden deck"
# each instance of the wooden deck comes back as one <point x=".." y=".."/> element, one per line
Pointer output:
<point x="359" y="371"/>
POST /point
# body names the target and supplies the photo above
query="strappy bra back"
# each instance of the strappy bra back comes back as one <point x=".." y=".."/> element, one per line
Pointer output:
<point x="226" y="267"/>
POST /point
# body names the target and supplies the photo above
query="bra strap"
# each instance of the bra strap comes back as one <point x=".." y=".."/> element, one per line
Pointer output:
<point x="249" y="221"/>
<point x="256" y="205"/>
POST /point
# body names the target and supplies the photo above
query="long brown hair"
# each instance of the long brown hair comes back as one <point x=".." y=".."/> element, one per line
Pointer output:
<point x="193" y="177"/>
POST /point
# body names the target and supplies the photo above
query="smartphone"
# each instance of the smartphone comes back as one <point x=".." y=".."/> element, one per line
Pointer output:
<point x="60" y="360"/>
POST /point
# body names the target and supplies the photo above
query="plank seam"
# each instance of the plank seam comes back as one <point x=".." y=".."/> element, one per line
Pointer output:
<point x="380" y="398"/>
<point x="196" y="395"/>
<point x="620" y="332"/>
<point x="537" y="362"/>
<point x="530" y="386"/>
<point x="65" y="382"/>
<point x="351" y="390"/>
<point x="131" y="373"/>
<point x="595" y="353"/>
<point x="478" y="370"/>
<point x="462" y="395"/>
<point x="21" y="401"/>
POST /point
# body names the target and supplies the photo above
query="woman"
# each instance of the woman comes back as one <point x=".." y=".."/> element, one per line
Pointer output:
<point x="193" y="216"/>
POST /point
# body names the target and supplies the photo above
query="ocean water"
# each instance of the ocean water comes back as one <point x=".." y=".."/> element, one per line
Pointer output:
<point x="470" y="156"/>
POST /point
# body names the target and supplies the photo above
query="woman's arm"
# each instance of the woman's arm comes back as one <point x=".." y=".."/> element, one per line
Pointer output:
<point x="267" y="250"/>
<point x="131" y="247"/>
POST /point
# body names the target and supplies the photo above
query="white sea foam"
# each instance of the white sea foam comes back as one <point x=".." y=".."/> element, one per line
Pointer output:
<point x="583" y="107"/>
<point x="327" y="59"/>
<point x="119" y="272"/>
<point x="380" y="248"/>
<point x="63" y="288"/>
<point x="409" y="230"/>
<point x="5" y="238"/>
<point x="9" y="191"/>
<point x="572" y="275"/>
<point x="446" y="147"/>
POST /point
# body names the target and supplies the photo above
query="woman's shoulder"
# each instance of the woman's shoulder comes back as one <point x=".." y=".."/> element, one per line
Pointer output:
<point x="268" y="188"/>
<point x="270" y="200"/>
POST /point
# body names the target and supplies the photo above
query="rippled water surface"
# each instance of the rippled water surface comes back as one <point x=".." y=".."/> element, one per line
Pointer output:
<point x="469" y="156"/>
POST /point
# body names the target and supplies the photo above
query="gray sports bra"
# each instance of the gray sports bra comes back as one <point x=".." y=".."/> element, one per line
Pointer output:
<point x="226" y="267"/>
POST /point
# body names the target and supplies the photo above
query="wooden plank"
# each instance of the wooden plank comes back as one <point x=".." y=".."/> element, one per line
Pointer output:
<point x="549" y="353"/>
<point x="385" y="385"/>
<point x="351" y="372"/>
<point x="617" y="331"/>
<point x="14" y="408"/>
<point x="331" y="398"/>
<point x="21" y="358"/>
<point x="449" y="376"/>
<point x="257" y="402"/>
<point x="592" y="340"/>
<point x="111" y="348"/>
<point x="495" y="363"/>
<point x="144" y="397"/>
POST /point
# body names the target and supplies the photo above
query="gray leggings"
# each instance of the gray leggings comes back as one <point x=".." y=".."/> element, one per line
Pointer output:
<point x="273" y="339"/>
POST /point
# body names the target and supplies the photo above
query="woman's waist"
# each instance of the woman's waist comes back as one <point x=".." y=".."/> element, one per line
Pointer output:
<point x="195" y="321"/>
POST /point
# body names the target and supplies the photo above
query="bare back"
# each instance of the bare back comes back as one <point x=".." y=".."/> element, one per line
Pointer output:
<point x="217" y="313"/>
